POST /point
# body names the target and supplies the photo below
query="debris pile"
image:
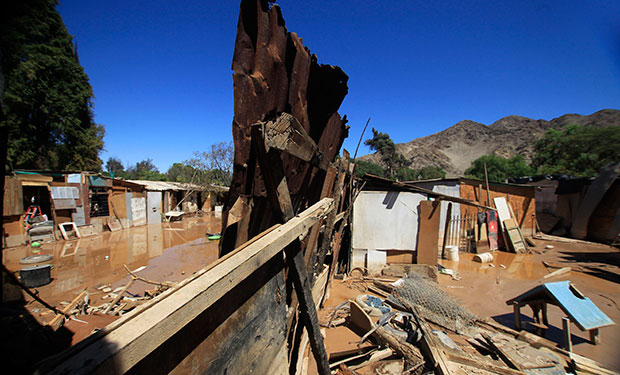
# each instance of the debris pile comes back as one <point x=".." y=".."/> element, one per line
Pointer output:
<point x="116" y="301"/>
<point x="435" y="304"/>
<point x="424" y="330"/>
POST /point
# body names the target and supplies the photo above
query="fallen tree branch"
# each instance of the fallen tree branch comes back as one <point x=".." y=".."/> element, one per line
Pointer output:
<point x="119" y="296"/>
<point x="136" y="277"/>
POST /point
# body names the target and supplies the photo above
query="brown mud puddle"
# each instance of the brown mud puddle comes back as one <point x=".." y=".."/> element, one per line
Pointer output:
<point x="168" y="251"/>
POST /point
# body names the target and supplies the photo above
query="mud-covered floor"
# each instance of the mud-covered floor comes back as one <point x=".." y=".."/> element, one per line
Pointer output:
<point x="484" y="290"/>
<point x="168" y="251"/>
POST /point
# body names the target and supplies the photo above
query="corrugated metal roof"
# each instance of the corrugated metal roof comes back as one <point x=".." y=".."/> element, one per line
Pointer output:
<point x="177" y="186"/>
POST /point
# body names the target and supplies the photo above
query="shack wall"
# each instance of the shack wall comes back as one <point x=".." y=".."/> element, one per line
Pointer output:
<point x="13" y="197"/>
<point x="451" y="188"/>
<point x="521" y="198"/>
<point x="604" y="215"/>
<point x="386" y="220"/>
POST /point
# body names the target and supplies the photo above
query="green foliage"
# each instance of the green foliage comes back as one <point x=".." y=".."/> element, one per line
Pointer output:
<point x="383" y="144"/>
<point x="208" y="167"/>
<point x="430" y="173"/>
<point x="114" y="166"/>
<point x="143" y="170"/>
<point x="181" y="172"/>
<point x="499" y="168"/>
<point x="362" y="167"/>
<point x="48" y="98"/>
<point x="577" y="150"/>
<point x="217" y="163"/>
<point x="406" y="174"/>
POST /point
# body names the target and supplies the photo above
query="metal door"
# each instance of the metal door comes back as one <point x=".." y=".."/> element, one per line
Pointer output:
<point x="153" y="209"/>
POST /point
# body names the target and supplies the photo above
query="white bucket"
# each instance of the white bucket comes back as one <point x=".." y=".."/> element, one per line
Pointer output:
<point x="483" y="258"/>
<point x="452" y="253"/>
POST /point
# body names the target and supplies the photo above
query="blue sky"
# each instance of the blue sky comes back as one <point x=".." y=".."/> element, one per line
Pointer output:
<point x="162" y="78"/>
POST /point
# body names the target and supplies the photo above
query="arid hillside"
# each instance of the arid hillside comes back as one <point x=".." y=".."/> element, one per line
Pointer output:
<point x="455" y="148"/>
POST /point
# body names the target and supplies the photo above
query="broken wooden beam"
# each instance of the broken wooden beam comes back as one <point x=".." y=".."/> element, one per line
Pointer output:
<point x="59" y="318"/>
<point x="139" y="335"/>
<point x="559" y="272"/>
<point x="286" y="134"/>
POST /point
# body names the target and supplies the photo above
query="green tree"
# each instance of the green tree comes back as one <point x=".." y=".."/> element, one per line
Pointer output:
<point x="430" y="173"/>
<point x="499" y="168"/>
<point x="217" y="163"/>
<point x="114" y="166"/>
<point x="48" y="98"/>
<point x="406" y="174"/>
<point x="145" y="170"/>
<point x="362" y="167"/>
<point x="383" y="144"/>
<point x="577" y="150"/>
<point x="183" y="172"/>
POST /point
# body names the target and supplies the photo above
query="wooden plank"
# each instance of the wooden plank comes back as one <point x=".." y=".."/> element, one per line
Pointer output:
<point x="482" y="364"/>
<point x="275" y="182"/>
<point x="119" y="350"/>
<point x="568" y="345"/>
<point x="428" y="232"/>
<point x="273" y="175"/>
<point x="445" y="230"/>
<point x="589" y="366"/>
<point x="56" y="322"/>
<point x="13" y="197"/>
<point x="285" y="133"/>
<point x="559" y="272"/>
<point x="307" y="307"/>
<point x="437" y="356"/>
<point x="514" y="236"/>
<point x="518" y="354"/>
<point x="145" y="306"/>
<point x="502" y="209"/>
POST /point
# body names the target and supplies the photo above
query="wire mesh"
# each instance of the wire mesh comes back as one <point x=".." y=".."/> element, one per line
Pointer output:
<point x="434" y="304"/>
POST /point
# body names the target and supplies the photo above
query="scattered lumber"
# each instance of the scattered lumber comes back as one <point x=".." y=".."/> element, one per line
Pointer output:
<point x="559" y="272"/>
<point x="119" y="296"/>
<point x="140" y="334"/>
<point x="59" y="318"/>
<point x="360" y="319"/>
<point x="158" y="283"/>
<point x="588" y="366"/>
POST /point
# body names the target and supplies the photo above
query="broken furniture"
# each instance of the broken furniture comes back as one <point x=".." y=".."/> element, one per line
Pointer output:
<point x="71" y="233"/>
<point x="579" y="309"/>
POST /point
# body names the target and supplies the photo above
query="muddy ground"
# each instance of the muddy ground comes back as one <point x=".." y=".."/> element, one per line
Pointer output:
<point x="174" y="251"/>
<point x="168" y="251"/>
<point x="485" y="288"/>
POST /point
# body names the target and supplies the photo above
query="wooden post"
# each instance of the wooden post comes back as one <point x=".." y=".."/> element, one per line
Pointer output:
<point x="567" y="342"/>
<point x="278" y="193"/>
<point x="517" y="311"/>
<point x="136" y="335"/>
<point x="307" y="308"/>
<point x="595" y="338"/>
<point x="446" y="230"/>
<point x="486" y="180"/>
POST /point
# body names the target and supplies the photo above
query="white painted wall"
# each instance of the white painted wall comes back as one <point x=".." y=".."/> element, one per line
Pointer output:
<point x="138" y="211"/>
<point x="377" y="226"/>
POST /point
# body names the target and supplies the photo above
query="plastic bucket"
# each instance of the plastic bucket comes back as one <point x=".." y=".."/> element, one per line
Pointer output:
<point x="483" y="258"/>
<point x="452" y="253"/>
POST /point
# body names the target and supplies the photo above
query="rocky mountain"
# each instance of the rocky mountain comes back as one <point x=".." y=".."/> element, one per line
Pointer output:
<point x="455" y="148"/>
